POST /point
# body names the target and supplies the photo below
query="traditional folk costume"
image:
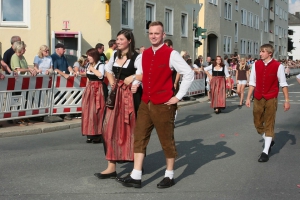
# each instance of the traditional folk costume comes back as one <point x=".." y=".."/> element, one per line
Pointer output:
<point x="119" y="122"/>
<point x="218" y="87"/>
<point x="266" y="78"/>
<point x="157" y="69"/>
<point x="93" y="103"/>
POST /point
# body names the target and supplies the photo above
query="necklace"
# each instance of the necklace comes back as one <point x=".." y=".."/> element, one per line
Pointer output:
<point x="123" y="54"/>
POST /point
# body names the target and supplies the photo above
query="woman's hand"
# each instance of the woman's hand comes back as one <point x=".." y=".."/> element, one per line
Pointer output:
<point x="134" y="88"/>
<point x="129" y="79"/>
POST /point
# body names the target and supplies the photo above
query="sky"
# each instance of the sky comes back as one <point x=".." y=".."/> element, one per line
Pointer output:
<point x="294" y="6"/>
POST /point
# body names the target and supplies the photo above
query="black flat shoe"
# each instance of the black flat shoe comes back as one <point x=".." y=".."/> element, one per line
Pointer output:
<point x="130" y="182"/>
<point x="166" y="183"/>
<point x="216" y="111"/>
<point x="96" y="141"/>
<point x="89" y="141"/>
<point x="263" y="157"/>
<point x="121" y="179"/>
<point x="112" y="175"/>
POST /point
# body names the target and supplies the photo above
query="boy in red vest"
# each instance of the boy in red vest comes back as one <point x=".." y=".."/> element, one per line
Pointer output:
<point x="158" y="106"/>
<point x="266" y="76"/>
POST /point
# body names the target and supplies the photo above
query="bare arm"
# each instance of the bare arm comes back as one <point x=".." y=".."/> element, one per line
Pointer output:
<point x="286" y="105"/>
<point x="250" y="91"/>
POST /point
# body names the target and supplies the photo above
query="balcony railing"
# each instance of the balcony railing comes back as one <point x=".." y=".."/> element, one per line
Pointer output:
<point x="271" y="37"/>
<point x="272" y="15"/>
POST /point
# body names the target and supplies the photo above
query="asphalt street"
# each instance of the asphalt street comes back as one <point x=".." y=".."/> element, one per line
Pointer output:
<point x="217" y="159"/>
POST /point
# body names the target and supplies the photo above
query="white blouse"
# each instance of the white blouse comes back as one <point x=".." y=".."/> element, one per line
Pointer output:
<point x="221" y="68"/>
<point x="100" y="69"/>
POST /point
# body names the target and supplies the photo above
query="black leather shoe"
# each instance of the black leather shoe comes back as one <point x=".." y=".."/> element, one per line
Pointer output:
<point x="106" y="176"/>
<point x="263" y="157"/>
<point x="166" y="183"/>
<point x="272" y="144"/>
<point x="121" y="179"/>
<point x="130" y="182"/>
<point x="89" y="141"/>
<point x="96" y="141"/>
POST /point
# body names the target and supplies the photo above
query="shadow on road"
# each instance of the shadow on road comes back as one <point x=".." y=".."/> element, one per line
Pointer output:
<point x="192" y="155"/>
<point x="281" y="139"/>
<point x="191" y="119"/>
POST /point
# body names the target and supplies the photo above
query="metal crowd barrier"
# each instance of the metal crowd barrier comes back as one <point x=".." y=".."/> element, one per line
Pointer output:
<point x="294" y="71"/>
<point x="198" y="85"/>
<point x="42" y="95"/>
<point x="25" y="96"/>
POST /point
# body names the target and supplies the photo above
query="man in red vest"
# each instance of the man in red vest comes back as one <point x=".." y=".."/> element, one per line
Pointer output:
<point x="266" y="76"/>
<point x="158" y="106"/>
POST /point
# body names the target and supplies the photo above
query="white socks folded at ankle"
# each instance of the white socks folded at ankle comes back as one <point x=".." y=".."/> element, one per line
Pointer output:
<point x="137" y="174"/>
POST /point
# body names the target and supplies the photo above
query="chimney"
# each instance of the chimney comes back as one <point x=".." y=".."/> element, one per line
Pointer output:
<point x="297" y="14"/>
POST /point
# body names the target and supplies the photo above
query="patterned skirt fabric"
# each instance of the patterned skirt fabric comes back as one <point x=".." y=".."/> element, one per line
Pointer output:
<point x="93" y="107"/>
<point x="118" y="126"/>
<point x="218" y="92"/>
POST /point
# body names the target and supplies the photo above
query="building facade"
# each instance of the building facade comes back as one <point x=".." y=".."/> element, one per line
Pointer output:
<point x="294" y="34"/>
<point x="80" y="25"/>
<point x="243" y="26"/>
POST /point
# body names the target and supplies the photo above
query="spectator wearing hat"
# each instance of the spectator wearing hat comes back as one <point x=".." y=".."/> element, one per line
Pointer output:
<point x="61" y="66"/>
<point x="100" y="49"/>
<point x="60" y="63"/>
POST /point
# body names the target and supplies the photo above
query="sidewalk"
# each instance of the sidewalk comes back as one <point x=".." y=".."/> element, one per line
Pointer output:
<point x="37" y="127"/>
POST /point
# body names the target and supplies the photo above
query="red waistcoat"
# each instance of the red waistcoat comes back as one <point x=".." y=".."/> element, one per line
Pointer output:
<point x="157" y="75"/>
<point x="266" y="80"/>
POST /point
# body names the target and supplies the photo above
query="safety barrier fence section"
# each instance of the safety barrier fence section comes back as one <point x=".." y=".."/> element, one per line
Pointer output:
<point x="28" y="96"/>
<point x="67" y="94"/>
<point x="198" y="85"/>
<point x="294" y="71"/>
<point x="25" y="96"/>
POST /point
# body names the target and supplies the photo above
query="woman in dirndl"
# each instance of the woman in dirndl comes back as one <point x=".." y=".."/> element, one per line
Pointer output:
<point x="217" y="84"/>
<point x="93" y="98"/>
<point x="119" y="122"/>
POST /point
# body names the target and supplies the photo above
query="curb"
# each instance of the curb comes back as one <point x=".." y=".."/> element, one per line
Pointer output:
<point x="49" y="127"/>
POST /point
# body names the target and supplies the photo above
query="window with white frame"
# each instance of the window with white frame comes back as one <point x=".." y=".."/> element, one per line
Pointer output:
<point x="279" y="32"/>
<point x="127" y="13"/>
<point x="228" y="11"/>
<point x="250" y="19"/>
<point x="215" y="2"/>
<point x="257" y="1"/>
<point x="262" y="14"/>
<point x="14" y="13"/>
<point x="266" y="28"/>
<point x="276" y="9"/>
<point x="236" y="5"/>
<point x="168" y="21"/>
<point x="150" y="13"/>
<point x="243" y="46"/>
<point x="243" y="16"/>
<point x="280" y="13"/>
<point x="227" y="44"/>
<point x="266" y="4"/>
<point x="256" y="22"/>
<point x="236" y="32"/>
<point x="256" y="48"/>
<point x="276" y="30"/>
<point x="184" y="24"/>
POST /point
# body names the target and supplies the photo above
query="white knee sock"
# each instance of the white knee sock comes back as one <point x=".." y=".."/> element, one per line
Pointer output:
<point x="136" y="174"/>
<point x="169" y="174"/>
<point x="263" y="135"/>
<point x="268" y="141"/>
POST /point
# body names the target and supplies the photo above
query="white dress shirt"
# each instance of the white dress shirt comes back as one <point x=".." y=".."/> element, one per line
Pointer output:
<point x="280" y="75"/>
<point x="179" y="64"/>
<point x="209" y="68"/>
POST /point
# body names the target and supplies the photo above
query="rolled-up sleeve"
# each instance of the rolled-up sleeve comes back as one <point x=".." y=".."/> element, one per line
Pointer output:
<point x="180" y="65"/>
<point x="138" y="66"/>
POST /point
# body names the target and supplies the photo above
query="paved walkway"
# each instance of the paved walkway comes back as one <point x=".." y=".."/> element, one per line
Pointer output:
<point x="37" y="126"/>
